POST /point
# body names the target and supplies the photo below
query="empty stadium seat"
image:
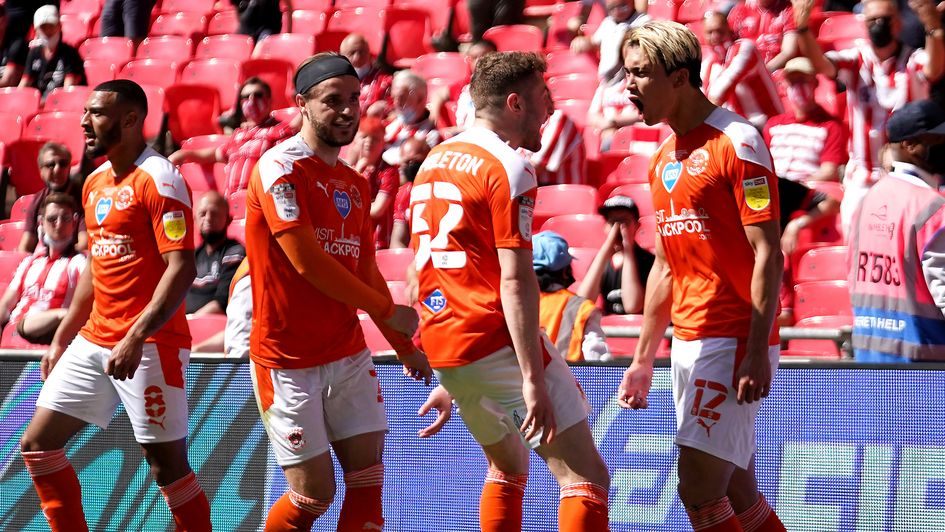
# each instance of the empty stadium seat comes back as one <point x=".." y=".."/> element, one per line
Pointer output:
<point x="824" y="264"/>
<point x="393" y="263"/>
<point x="316" y="5"/>
<point x="286" y="114"/>
<point x="174" y="48"/>
<point x="625" y="347"/>
<point x="437" y="10"/>
<point x="191" y="110"/>
<point x="99" y="71"/>
<point x="67" y="98"/>
<point x="581" y="259"/>
<point x="831" y="188"/>
<point x="22" y="100"/>
<point x="573" y="86"/>
<point x="223" y="23"/>
<point x="11" y="127"/>
<point x="313" y="21"/>
<point x="516" y="37"/>
<point x="443" y="65"/>
<point x="19" y="208"/>
<point x="565" y="63"/>
<point x="229" y="46"/>
<point x="640" y="193"/>
<point x="61" y="126"/>
<point x="579" y="230"/>
<point x="21" y="157"/>
<point x="199" y="142"/>
<point x="238" y="204"/>
<point x="364" y="20"/>
<point x="632" y="169"/>
<point x="188" y="24"/>
<point x="575" y="109"/>
<point x="237" y="231"/>
<point x="376" y="343"/>
<point x="840" y="30"/>
<point x="638" y="138"/>
<point x="73" y="7"/>
<point x="155" y="119"/>
<point x="646" y="234"/>
<point x="77" y="27"/>
<point x="291" y="47"/>
<point x="408" y="35"/>
<point x="329" y="41"/>
<point x="196" y="6"/>
<point x="555" y="200"/>
<point x="118" y="50"/>
<point x="277" y="73"/>
<point x="10" y="234"/>
<point x="821" y="298"/>
<point x="222" y="74"/>
<point x="695" y="10"/>
<point x="205" y="326"/>
<point x="195" y="177"/>
<point x="398" y="292"/>
<point x="158" y="72"/>
<point x="820" y="348"/>
<point x="662" y="9"/>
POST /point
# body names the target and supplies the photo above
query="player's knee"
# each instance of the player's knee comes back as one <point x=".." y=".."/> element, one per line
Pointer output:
<point x="30" y="444"/>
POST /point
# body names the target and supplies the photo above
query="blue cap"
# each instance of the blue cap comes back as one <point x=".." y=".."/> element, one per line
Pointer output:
<point x="550" y="251"/>
<point x="915" y="119"/>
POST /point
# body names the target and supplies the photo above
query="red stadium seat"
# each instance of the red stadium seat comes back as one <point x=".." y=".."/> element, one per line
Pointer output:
<point x="841" y="28"/>
<point x="625" y="347"/>
<point x="646" y="234"/>
<point x="221" y="74"/>
<point x="174" y="48"/>
<point x="579" y="230"/>
<point x="573" y="86"/>
<point x="286" y="114"/>
<point x="313" y="21"/>
<point x="831" y="188"/>
<point x="315" y="5"/>
<point x="278" y="73"/>
<point x="820" y="348"/>
<point x="438" y="11"/>
<point x="191" y="110"/>
<point x="237" y="231"/>
<point x="364" y="20"/>
<point x="408" y="35"/>
<point x="196" y="6"/>
<point x="67" y="98"/>
<point x="516" y="37"/>
<point x="155" y="119"/>
<point x="74" y="7"/>
<point x="329" y="41"/>
<point x="9" y="260"/>
<point x="638" y="139"/>
<point x="462" y="21"/>
<point x="695" y="10"/>
<point x="238" y="204"/>
<point x="539" y="8"/>
<point x="229" y="46"/>
<point x="21" y="157"/>
<point x="196" y="178"/>
<point x="291" y="47"/>
<point x="640" y="193"/>
<point x="24" y="101"/>
<point x="565" y="63"/>
<point x="12" y="340"/>
<point x="198" y="142"/>
<point x="10" y="234"/>
<point x="61" y="126"/>
<point x="205" y="326"/>
<point x="824" y="264"/>
<point x="377" y="4"/>
<point x="118" y="50"/>
<point x="11" y="127"/>
<point x="158" y="72"/>
<point x="663" y="9"/>
<point x="555" y="200"/>
<point x="821" y="298"/>
<point x="223" y="23"/>
<point x="374" y="338"/>
<point x="20" y="206"/>
<point x="393" y="263"/>
<point x="443" y="65"/>
<point x="575" y="109"/>
<point x="77" y="27"/>
<point x="632" y="169"/>
<point x="184" y="23"/>
<point x="98" y="71"/>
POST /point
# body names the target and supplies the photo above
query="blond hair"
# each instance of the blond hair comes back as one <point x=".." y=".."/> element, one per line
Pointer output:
<point x="669" y="44"/>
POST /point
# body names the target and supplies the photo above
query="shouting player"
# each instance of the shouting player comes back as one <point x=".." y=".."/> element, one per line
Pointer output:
<point x="134" y="342"/>
<point x="717" y="274"/>
<point x="471" y="208"/>
<point x="311" y="253"/>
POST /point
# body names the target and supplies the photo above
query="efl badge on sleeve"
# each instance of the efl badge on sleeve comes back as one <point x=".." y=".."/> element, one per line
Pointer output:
<point x="526" y="214"/>
<point x="670" y="175"/>
<point x="285" y="200"/>
<point x="436" y="301"/>
<point x="757" y="193"/>
<point x="175" y="225"/>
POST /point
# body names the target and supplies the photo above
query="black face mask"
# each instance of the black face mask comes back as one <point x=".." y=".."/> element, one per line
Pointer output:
<point x="880" y="32"/>
<point x="213" y="237"/>
<point x="409" y="170"/>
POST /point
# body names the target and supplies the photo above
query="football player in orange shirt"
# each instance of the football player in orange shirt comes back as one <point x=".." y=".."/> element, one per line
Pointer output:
<point x="471" y="216"/>
<point x="134" y="343"/>
<point x="716" y="276"/>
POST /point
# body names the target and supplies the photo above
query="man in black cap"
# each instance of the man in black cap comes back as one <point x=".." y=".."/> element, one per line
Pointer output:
<point x="309" y="240"/>
<point x="897" y="247"/>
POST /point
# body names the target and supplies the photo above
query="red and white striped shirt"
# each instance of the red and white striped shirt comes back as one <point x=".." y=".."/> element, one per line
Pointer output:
<point x="397" y="132"/>
<point x="737" y="79"/>
<point x="245" y="147"/>
<point x="560" y="161"/>
<point x="610" y="99"/>
<point x="43" y="283"/>
<point x="766" y="27"/>
<point x="375" y="87"/>
<point x="874" y="90"/>
<point x="799" y="147"/>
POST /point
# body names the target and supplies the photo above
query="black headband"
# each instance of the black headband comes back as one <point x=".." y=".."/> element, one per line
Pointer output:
<point x="327" y="67"/>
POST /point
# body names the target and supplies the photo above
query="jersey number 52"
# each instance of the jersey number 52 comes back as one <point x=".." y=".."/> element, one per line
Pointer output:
<point x="432" y="248"/>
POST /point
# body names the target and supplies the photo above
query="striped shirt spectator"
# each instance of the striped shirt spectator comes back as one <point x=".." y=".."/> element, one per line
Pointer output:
<point x="736" y="78"/>
<point x="560" y="161"/>
<point x="770" y="24"/>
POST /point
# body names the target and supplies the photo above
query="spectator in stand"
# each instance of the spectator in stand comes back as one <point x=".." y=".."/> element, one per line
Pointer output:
<point x="50" y="62"/>
<point x="807" y="143"/>
<point x="233" y="340"/>
<point x="256" y="131"/>
<point x="42" y="287"/>
<point x="620" y="268"/>
<point x="561" y="159"/>
<point x="880" y="78"/>
<point x="364" y="154"/>
<point x="465" y="110"/>
<point x="410" y="117"/>
<point x="217" y="257"/>
<point x="262" y="18"/>
<point x="54" y="163"/>
<point x="770" y="24"/>
<point x="575" y="23"/>
<point x="484" y="14"/>
<point x="621" y="16"/>
<point x="12" y="53"/>
<point x="127" y="18"/>
<point x="897" y="247"/>
<point x="610" y="108"/>
<point x="375" y="83"/>
<point x="412" y="153"/>
<point x="734" y="74"/>
<point x="19" y="19"/>
<point x="571" y="322"/>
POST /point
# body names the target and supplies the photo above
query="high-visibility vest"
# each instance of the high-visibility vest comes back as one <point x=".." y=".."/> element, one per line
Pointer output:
<point x="563" y="316"/>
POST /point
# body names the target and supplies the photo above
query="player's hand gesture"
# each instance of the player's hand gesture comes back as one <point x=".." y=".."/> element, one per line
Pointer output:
<point x="416" y="366"/>
<point x="635" y="386"/>
<point x="125" y="358"/>
<point x="753" y="378"/>
<point x="540" y="416"/>
<point x="50" y="357"/>
<point x="404" y="320"/>
<point x="439" y="400"/>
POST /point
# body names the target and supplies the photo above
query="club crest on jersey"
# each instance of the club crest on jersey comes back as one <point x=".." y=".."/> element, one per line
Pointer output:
<point x="124" y="198"/>
<point x="102" y="208"/>
<point x="670" y="175"/>
<point x="757" y="193"/>
<point x="342" y="203"/>
<point x="436" y="301"/>
<point x="697" y="162"/>
<point x="175" y="225"/>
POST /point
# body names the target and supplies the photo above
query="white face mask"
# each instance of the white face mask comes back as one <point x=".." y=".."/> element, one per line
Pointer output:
<point x="47" y="41"/>
<point x="55" y="245"/>
<point x="407" y="116"/>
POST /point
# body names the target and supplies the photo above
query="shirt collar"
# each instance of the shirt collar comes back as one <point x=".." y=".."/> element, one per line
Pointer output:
<point x="911" y="173"/>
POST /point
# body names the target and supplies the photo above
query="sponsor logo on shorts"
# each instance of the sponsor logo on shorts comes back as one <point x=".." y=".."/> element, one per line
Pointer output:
<point x="296" y="438"/>
<point x="175" y="225"/>
<point x="154" y="406"/>
<point x="102" y="208"/>
<point x="757" y="193"/>
<point x="436" y="301"/>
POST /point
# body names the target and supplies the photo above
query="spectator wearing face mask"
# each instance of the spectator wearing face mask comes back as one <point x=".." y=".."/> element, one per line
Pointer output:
<point x="375" y="83"/>
<point x="50" y="62"/>
<point x="621" y="16"/>
<point x="217" y="258"/>
<point x="412" y="153"/>
<point x="364" y="154"/>
<point x="410" y="117"/>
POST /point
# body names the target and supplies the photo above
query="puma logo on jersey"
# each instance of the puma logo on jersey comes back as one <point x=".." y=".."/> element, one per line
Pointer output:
<point x="323" y="187"/>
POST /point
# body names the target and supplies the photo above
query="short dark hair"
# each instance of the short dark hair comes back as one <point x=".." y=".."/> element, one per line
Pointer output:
<point x="501" y="73"/>
<point x="59" y="198"/>
<point x="128" y="92"/>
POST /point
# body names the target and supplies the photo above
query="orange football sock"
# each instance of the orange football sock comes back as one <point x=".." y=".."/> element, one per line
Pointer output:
<point x="715" y="516"/>
<point x="500" y="507"/>
<point x="188" y="504"/>
<point x="583" y="507"/>
<point x="57" y="485"/>
<point x="294" y="512"/>
<point x="362" y="508"/>
<point x="760" y="518"/>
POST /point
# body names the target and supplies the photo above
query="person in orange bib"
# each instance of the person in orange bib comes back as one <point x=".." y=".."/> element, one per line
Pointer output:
<point x="310" y="246"/>
<point x="134" y="342"/>
<point x="717" y="276"/>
